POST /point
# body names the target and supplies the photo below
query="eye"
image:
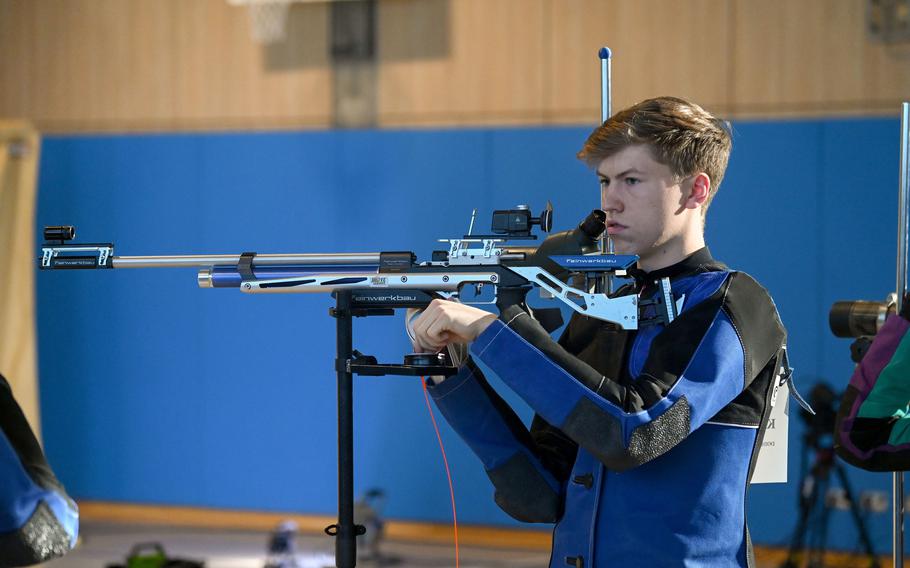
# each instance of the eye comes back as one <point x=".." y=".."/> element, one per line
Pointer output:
<point x="604" y="182"/>
<point x="632" y="181"/>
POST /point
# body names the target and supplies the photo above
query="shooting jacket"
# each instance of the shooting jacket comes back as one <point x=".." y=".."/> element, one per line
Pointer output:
<point x="643" y="442"/>
<point x="38" y="521"/>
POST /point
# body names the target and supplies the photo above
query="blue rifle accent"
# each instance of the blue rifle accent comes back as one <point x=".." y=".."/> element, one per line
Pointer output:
<point x="584" y="263"/>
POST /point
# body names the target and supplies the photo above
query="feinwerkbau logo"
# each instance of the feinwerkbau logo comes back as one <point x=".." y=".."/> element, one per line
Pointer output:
<point x="584" y="260"/>
<point x="390" y="298"/>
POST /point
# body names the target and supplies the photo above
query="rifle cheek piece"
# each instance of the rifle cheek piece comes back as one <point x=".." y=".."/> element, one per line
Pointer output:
<point x="580" y="240"/>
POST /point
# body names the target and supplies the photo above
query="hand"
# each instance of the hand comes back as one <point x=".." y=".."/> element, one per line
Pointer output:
<point x="444" y="322"/>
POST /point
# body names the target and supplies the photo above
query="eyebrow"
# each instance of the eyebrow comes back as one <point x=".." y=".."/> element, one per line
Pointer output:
<point x="621" y="174"/>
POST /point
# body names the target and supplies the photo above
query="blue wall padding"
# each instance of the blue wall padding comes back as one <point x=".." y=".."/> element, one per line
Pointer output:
<point x="155" y="391"/>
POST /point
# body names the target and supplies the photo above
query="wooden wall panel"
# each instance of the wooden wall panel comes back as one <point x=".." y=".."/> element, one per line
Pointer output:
<point x="813" y="57"/>
<point x="134" y="65"/>
<point x="491" y="72"/>
<point x="159" y="65"/>
<point x="98" y="62"/>
<point x="661" y="47"/>
<point x="15" y="57"/>
<point x="222" y="75"/>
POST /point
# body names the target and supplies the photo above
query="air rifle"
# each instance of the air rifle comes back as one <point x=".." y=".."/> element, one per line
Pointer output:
<point x="566" y="266"/>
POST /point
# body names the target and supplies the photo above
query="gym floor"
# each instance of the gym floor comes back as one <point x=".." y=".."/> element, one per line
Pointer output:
<point x="103" y="544"/>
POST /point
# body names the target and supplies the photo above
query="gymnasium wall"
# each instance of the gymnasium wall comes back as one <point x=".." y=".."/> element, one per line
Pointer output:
<point x="168" y="131"/>
<point x="166" y="65"/>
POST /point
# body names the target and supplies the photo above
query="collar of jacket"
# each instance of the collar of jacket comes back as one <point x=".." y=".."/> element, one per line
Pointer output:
<point x="699" y="261"/>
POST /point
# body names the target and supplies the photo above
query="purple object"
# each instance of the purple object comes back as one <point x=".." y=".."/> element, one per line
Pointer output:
<point x="861" y="384"/>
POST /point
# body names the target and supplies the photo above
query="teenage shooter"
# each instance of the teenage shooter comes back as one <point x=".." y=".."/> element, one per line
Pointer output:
<point x="643" y="442"/>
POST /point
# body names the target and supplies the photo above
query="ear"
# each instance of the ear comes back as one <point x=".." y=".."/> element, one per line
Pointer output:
<point x="698" y="191"/>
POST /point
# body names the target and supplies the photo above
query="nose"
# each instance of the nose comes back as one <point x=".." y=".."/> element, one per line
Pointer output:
<point x="609" y="201"/>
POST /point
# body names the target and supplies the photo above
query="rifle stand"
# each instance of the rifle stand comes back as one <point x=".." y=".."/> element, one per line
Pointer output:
<point x="350" y="304"/>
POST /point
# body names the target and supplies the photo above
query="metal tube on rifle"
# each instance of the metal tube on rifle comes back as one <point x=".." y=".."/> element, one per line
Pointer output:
<point x="903" y="233"/>
<point x="229" y="259"/>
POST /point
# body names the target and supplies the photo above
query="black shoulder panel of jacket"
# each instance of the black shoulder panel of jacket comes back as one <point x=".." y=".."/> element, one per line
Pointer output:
<point x="757" y="322"/>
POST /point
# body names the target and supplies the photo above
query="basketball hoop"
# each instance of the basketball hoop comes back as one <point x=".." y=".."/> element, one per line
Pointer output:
<point x="268" y="18"/>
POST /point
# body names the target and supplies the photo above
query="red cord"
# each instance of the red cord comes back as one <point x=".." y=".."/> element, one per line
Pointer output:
<point x="426" y="397"/>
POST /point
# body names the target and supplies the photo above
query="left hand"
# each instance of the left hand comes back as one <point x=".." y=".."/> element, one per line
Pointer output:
<point x="444" y="322"/>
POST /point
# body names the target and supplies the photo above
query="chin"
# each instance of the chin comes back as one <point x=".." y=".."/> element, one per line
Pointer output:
<point x="624" y="248"/>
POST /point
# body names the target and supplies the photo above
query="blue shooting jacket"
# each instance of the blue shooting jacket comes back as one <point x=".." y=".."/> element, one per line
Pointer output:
<point x="643" y="442"/>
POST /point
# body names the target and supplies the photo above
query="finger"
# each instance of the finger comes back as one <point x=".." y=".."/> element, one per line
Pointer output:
<point x="441" y="329"/>
<point x="423" y="323"/>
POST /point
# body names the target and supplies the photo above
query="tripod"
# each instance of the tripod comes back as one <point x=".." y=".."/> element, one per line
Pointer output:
<point x="814" y="482"/>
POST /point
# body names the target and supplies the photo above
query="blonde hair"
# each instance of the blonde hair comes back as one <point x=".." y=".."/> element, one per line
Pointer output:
<point x="681" y="135"/>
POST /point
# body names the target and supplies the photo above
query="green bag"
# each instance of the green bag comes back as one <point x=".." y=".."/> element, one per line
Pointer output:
<point x="147" y="555"/>
<point x="152" y="555"/>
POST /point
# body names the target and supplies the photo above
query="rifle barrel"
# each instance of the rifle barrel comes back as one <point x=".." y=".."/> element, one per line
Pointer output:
<point x="233" y="259"/>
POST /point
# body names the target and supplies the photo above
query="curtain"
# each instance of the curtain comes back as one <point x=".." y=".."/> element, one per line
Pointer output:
<point x="19" y="150"/>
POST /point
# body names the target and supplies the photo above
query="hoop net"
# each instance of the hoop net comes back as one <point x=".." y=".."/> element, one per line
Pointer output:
<point x="268" y="18"/>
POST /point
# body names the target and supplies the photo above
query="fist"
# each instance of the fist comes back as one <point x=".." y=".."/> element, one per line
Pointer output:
<point x="444" y="322"/>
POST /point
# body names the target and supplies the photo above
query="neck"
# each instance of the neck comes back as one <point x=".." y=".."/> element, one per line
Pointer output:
<point x="671" y="252"/>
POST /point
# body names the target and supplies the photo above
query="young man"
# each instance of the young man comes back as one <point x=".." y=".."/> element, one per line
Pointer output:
<point x="643" y="442"/>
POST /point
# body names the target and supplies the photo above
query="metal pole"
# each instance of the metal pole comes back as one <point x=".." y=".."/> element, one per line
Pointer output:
<point x="606" y="109"/>
<point x="606" y="79"/>
<point x="346" y="531"/>
<point x="902" y="250"/>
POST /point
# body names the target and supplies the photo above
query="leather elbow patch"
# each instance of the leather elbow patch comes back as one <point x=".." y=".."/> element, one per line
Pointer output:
<point x="522" y="491"/>
<point x="40" y="539"/>
<point x="601" y="434"/>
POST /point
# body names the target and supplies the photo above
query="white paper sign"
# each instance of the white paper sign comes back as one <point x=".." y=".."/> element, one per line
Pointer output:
<point x="771" y="466"/>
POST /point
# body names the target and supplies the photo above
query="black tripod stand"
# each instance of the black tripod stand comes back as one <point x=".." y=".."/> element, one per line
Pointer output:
<point x="349" y="362"/>
<point x="811" y="534"/>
